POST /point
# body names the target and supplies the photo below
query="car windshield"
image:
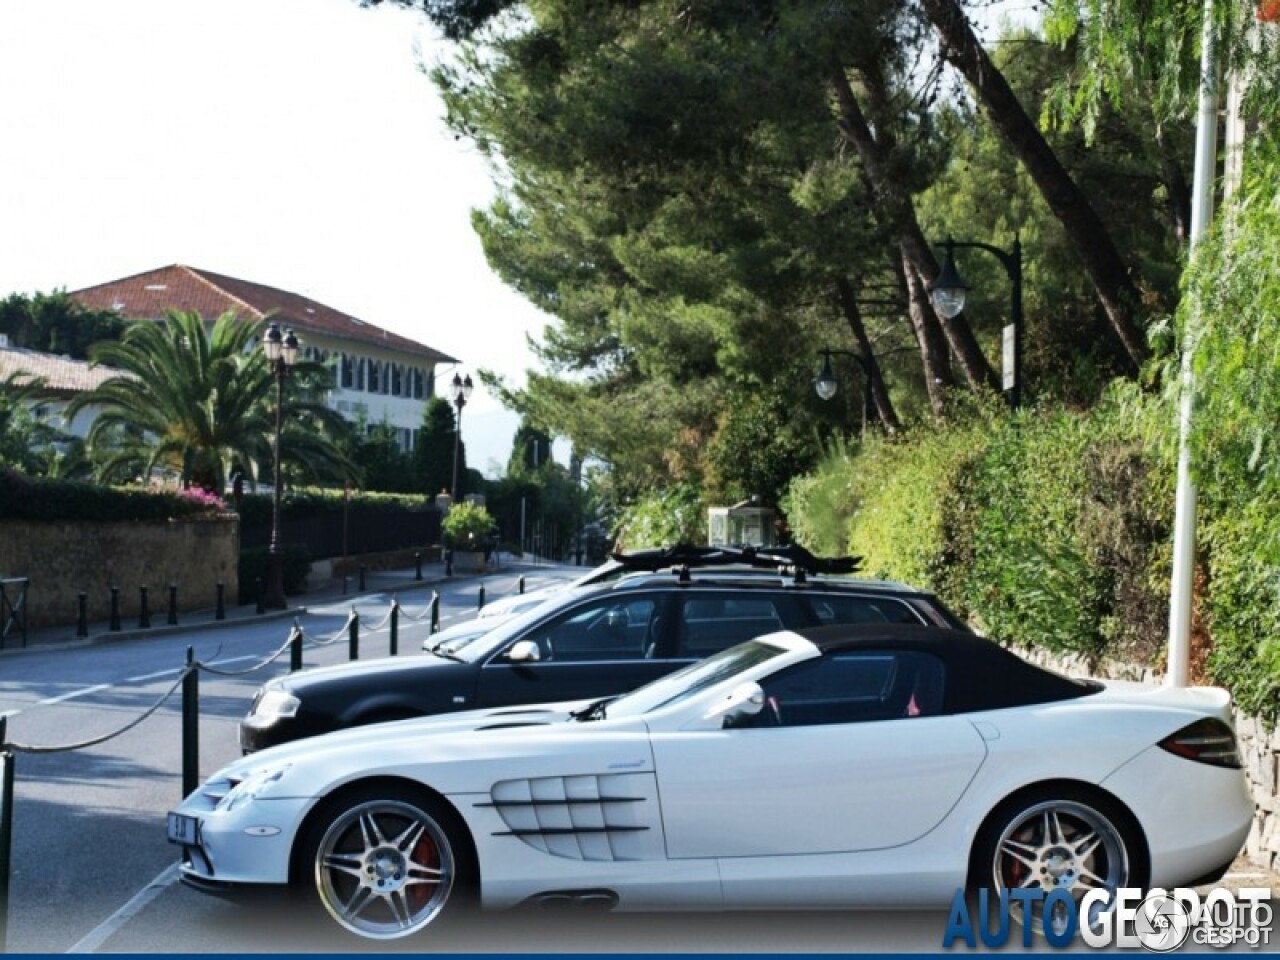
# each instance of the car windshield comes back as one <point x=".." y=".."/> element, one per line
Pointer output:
<point x="695" y="678"/>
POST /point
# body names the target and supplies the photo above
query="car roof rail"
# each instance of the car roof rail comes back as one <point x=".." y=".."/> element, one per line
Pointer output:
<point x="791" y="558"/>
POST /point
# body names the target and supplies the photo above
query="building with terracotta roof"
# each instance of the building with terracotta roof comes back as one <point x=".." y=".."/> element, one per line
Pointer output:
<point x="380" y="376"/>
<point x="61" y="378"/>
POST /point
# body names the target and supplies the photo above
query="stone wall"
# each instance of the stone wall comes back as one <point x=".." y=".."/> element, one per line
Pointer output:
<point x="1259" y="749"/>
<point x="64" y="559"/>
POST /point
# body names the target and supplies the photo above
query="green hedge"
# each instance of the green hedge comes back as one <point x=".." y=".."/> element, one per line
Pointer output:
<point x="37" y="498"/>
<point x="1053" y="529"/>
<point x="297" y="504"/>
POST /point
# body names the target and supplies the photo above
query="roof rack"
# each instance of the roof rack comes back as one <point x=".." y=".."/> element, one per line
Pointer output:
<point x="792" y="558"/>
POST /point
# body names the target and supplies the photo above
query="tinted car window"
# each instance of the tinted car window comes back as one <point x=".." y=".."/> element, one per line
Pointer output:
<point x="833" y="608"/>
<point x="610" y="629"/>
<point x="709" y="623"/>
<point x="854" y="688"/>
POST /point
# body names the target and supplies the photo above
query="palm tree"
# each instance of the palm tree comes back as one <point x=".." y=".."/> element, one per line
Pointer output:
<point x="197" y="403"/>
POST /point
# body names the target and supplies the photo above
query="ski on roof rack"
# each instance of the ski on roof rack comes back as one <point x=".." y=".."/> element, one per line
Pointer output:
<point x="793" y="556"/>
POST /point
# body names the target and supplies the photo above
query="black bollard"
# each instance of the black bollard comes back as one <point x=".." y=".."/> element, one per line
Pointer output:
<point x="115" y="609"/>
<point x="261" y="608"/>
<point x="395" y="626"/>
<point x="295" y="647"/>
<point x="6" y="832"/>
<point x="82" y="615"/>
<point x="520" y="585"/>
<point x="417" y="565"/>
<point x="353" y="635"/>
<point x="344" y="586"/>
<point x="220" y="612"/>
<point x="435" y="612"/>
<point x="144" y="612"/>
<point x="448" y="563"/>
<point x="190" y="725"/>
<point x="173" y="604"/>
<point x="480" y="598"/>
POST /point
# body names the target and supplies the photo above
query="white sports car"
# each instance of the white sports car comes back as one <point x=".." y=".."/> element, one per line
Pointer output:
<point x="835" y="767"/>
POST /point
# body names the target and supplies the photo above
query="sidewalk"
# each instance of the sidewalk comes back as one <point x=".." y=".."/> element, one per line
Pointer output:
<point x="409" y="590"/>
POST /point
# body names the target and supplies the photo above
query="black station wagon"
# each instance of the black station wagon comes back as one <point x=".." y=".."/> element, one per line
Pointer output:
<point x="585" y="641"/>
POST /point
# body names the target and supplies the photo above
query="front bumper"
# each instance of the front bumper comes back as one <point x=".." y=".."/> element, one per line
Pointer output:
<point x="250" y="845"/>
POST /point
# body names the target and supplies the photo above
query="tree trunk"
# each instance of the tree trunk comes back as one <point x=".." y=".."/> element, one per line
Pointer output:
<point x="1088" y="234"/>
<point x="848" y="303"/>
<point x="933" y="348"/>
<point x="897" y="213"/>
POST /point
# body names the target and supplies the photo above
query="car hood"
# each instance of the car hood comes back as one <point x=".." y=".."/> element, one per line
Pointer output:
<point x="366" y="672"/>
<point x="458" y="753"/>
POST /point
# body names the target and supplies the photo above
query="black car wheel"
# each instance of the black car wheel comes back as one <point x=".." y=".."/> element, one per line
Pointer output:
<point x="385" y="861"/>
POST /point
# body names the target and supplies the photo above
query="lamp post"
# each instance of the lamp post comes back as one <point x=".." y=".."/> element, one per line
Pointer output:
<point x="461" y="394"/>
<point x="281" y="350"/>
<point x="825" y="383"/>
<point x="948" y="294"/>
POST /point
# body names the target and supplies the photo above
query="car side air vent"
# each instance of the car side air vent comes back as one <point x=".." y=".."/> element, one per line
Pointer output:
<point x="520" y="712"/>
<point x="508" y="726"/>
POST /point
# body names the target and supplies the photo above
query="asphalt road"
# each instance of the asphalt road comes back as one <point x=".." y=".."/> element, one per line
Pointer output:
<point x="91" y="871"/>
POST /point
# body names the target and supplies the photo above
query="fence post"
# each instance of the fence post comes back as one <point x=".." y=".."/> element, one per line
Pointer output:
<point x="395" y="626"/>
<point x="353" y="635"/>
<point x="6" y="832"/>
<point x="173" y="603"/>
<point x="295" y="647"/>
<point x="435" y="612"/>
<point x="82" y="615"/>
<point x="115" y="609"/>
<point x="144" y="613"/>
<point x="480" y="598"/>
<point x="417" y="565"/>
<point x="520" y="585"/>
<point x="190" y="725"/>
<point x="220" y="612"/>
<point x="362" y="569"/>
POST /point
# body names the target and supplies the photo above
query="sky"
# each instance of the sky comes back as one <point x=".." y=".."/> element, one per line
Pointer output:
<point x="295" y="143"/>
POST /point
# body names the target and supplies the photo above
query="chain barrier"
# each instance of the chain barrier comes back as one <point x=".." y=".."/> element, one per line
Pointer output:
<point x="341" y="634"/>
<point x="265" y="662"/>
<point x="80" y="745"/>
<point x="426" y="611"/>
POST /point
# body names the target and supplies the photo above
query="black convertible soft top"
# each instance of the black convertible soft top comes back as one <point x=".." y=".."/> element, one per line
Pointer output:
<point x="980" y="674"/>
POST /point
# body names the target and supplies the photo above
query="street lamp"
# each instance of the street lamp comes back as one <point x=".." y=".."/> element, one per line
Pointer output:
<point x="461" y="394"/>
<point x="948" y="294"/>
<point x="825" y="383"/>
<point x="281" y="350"/>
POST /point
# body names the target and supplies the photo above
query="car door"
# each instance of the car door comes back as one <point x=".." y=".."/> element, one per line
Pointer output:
<point x="592" y="649"/>
<point x="850" y="754"/>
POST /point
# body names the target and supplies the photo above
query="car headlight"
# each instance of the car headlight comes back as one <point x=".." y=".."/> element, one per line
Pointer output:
<point x="275" y="702"/>
<point x="251" y="787"/>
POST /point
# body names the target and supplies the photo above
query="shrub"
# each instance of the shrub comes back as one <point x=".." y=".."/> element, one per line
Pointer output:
<point x="466" y="526"/>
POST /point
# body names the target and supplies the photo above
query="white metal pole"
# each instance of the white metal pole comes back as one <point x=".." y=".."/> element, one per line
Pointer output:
<point x="1184" y="521"/>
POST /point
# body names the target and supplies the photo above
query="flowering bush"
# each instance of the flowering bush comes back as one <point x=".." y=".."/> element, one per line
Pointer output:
<point x="205" y="498"/>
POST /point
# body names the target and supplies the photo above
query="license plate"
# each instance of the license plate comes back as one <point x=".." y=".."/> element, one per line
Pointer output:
<point x="184" y="829"/>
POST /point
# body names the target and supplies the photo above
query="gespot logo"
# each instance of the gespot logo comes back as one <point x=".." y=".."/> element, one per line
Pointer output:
<point x="1157" y="920"/>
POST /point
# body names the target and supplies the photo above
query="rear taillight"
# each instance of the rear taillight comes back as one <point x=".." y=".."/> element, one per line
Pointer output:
<point x="1206" y="741"/>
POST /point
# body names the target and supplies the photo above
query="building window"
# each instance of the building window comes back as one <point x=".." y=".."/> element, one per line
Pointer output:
<point x="373" y="376"/>
<point x="397" y="380"/>
<point x="347" y="372"/>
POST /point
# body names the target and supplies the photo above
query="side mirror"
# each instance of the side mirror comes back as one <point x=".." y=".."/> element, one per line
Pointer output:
<point x="741" y="704"/>
<point x="524" y="651"/>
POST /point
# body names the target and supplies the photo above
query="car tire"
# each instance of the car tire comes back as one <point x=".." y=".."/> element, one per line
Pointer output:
<point x="385" y="861"/>
<point x="1057" y="837"/>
